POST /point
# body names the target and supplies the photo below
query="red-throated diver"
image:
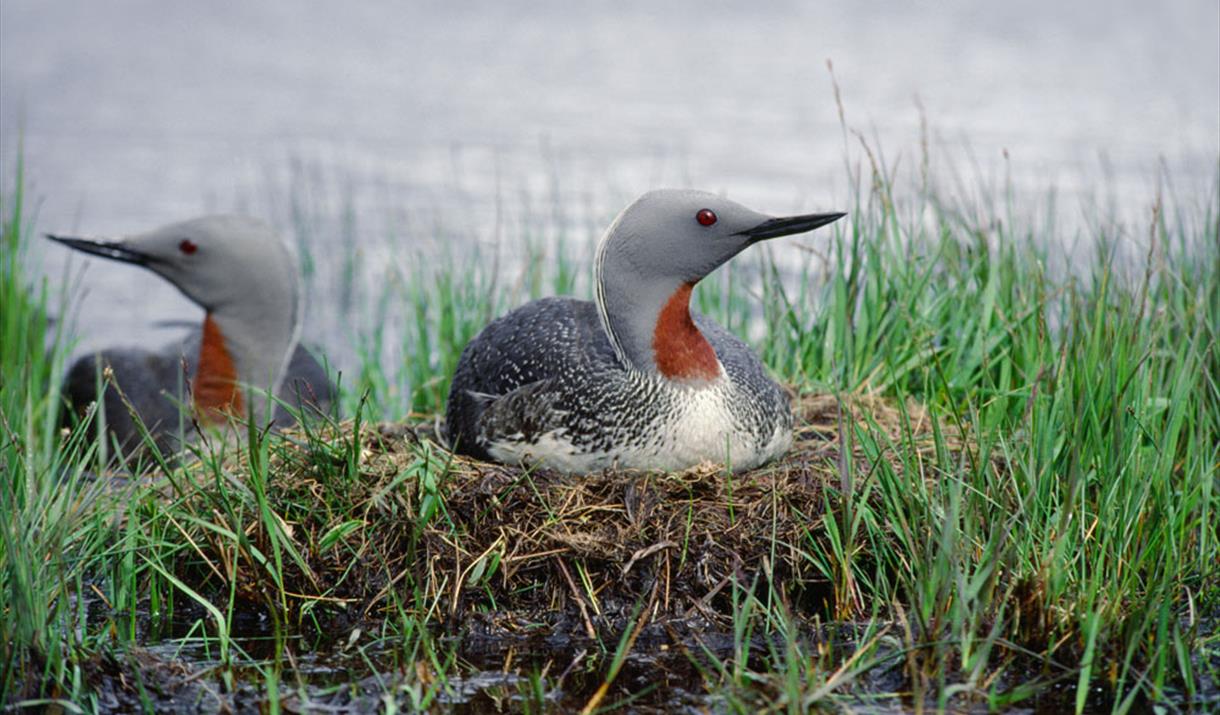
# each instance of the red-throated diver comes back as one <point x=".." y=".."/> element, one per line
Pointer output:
<point x="245" y="278"/>
<point x="633" y="380"/>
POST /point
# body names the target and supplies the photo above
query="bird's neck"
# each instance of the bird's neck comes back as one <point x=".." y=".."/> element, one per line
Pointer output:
<point x="679" y="350"/>
<point x="650" y="325"/>
<point x="215" y="389"/>
<point x="243" y="356"/>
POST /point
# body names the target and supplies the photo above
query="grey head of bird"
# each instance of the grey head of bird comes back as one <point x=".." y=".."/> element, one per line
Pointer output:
<point x="245" y="278"/>
<point x="651" y="257"/>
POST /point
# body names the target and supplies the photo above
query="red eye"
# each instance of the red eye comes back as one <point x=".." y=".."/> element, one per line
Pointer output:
<point x="706" y="217"/>
<point x="188" y="246"/>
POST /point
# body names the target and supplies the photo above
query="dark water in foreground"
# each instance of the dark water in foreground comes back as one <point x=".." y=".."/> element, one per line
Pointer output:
<point x="674" y="666"/>
<point x="555" y="674"/>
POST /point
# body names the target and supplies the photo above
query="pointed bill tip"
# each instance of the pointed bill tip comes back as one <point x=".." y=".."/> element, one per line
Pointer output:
<point x="114" y="250"/>
<point x="789" y="225"/>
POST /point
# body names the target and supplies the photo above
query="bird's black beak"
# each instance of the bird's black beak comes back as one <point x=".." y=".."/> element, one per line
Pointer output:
<point x="114" y="250"/>
<point x="788" y="225"/>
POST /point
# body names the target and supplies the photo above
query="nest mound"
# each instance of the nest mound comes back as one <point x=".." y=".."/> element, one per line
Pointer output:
<point x="380" y="511"/>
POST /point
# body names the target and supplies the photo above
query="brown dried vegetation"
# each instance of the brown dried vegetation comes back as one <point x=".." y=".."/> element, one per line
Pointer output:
<point x="395" y="514"/>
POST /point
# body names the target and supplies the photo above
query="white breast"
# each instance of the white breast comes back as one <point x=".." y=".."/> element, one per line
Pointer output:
<point x="706" y="430"/>
<point x="701" y="429"/>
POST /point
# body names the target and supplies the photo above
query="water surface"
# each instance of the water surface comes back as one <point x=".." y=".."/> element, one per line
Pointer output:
<point x="477" y="123"/>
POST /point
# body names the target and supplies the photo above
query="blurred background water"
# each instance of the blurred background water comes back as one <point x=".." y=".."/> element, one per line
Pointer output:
<point x="425" y="124"/>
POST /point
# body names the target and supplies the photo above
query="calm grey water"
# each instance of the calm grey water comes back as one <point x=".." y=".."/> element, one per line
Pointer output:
<point x="469" y="122"/>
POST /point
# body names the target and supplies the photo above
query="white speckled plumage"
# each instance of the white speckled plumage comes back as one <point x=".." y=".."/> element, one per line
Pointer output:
<point x="702" y="427"/>
<point x="580" y="386"/>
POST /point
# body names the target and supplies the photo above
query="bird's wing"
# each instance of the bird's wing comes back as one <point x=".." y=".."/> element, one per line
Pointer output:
<point x="540" y="342"/>
<point x="521" y="415"/>
<point x="149" y="383"/>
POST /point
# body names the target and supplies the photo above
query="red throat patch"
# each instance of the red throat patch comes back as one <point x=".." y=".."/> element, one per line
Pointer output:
<point x="679" y="349"/>
<point x="215" y="385"/>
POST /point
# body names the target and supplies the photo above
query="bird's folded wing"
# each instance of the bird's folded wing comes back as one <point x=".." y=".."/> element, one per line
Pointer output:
<point x="521" y="415"/>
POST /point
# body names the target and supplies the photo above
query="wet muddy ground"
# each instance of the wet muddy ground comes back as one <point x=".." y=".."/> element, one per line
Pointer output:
<point x="670" y="668"/>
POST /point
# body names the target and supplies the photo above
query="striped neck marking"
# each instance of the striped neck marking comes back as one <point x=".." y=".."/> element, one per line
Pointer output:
<point x="599" y="285"/>
<point x="215" y="385"/>
<point x="680" y="351"/>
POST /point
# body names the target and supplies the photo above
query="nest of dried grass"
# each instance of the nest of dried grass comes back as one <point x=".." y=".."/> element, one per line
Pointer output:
<point x="537" y="546"/>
